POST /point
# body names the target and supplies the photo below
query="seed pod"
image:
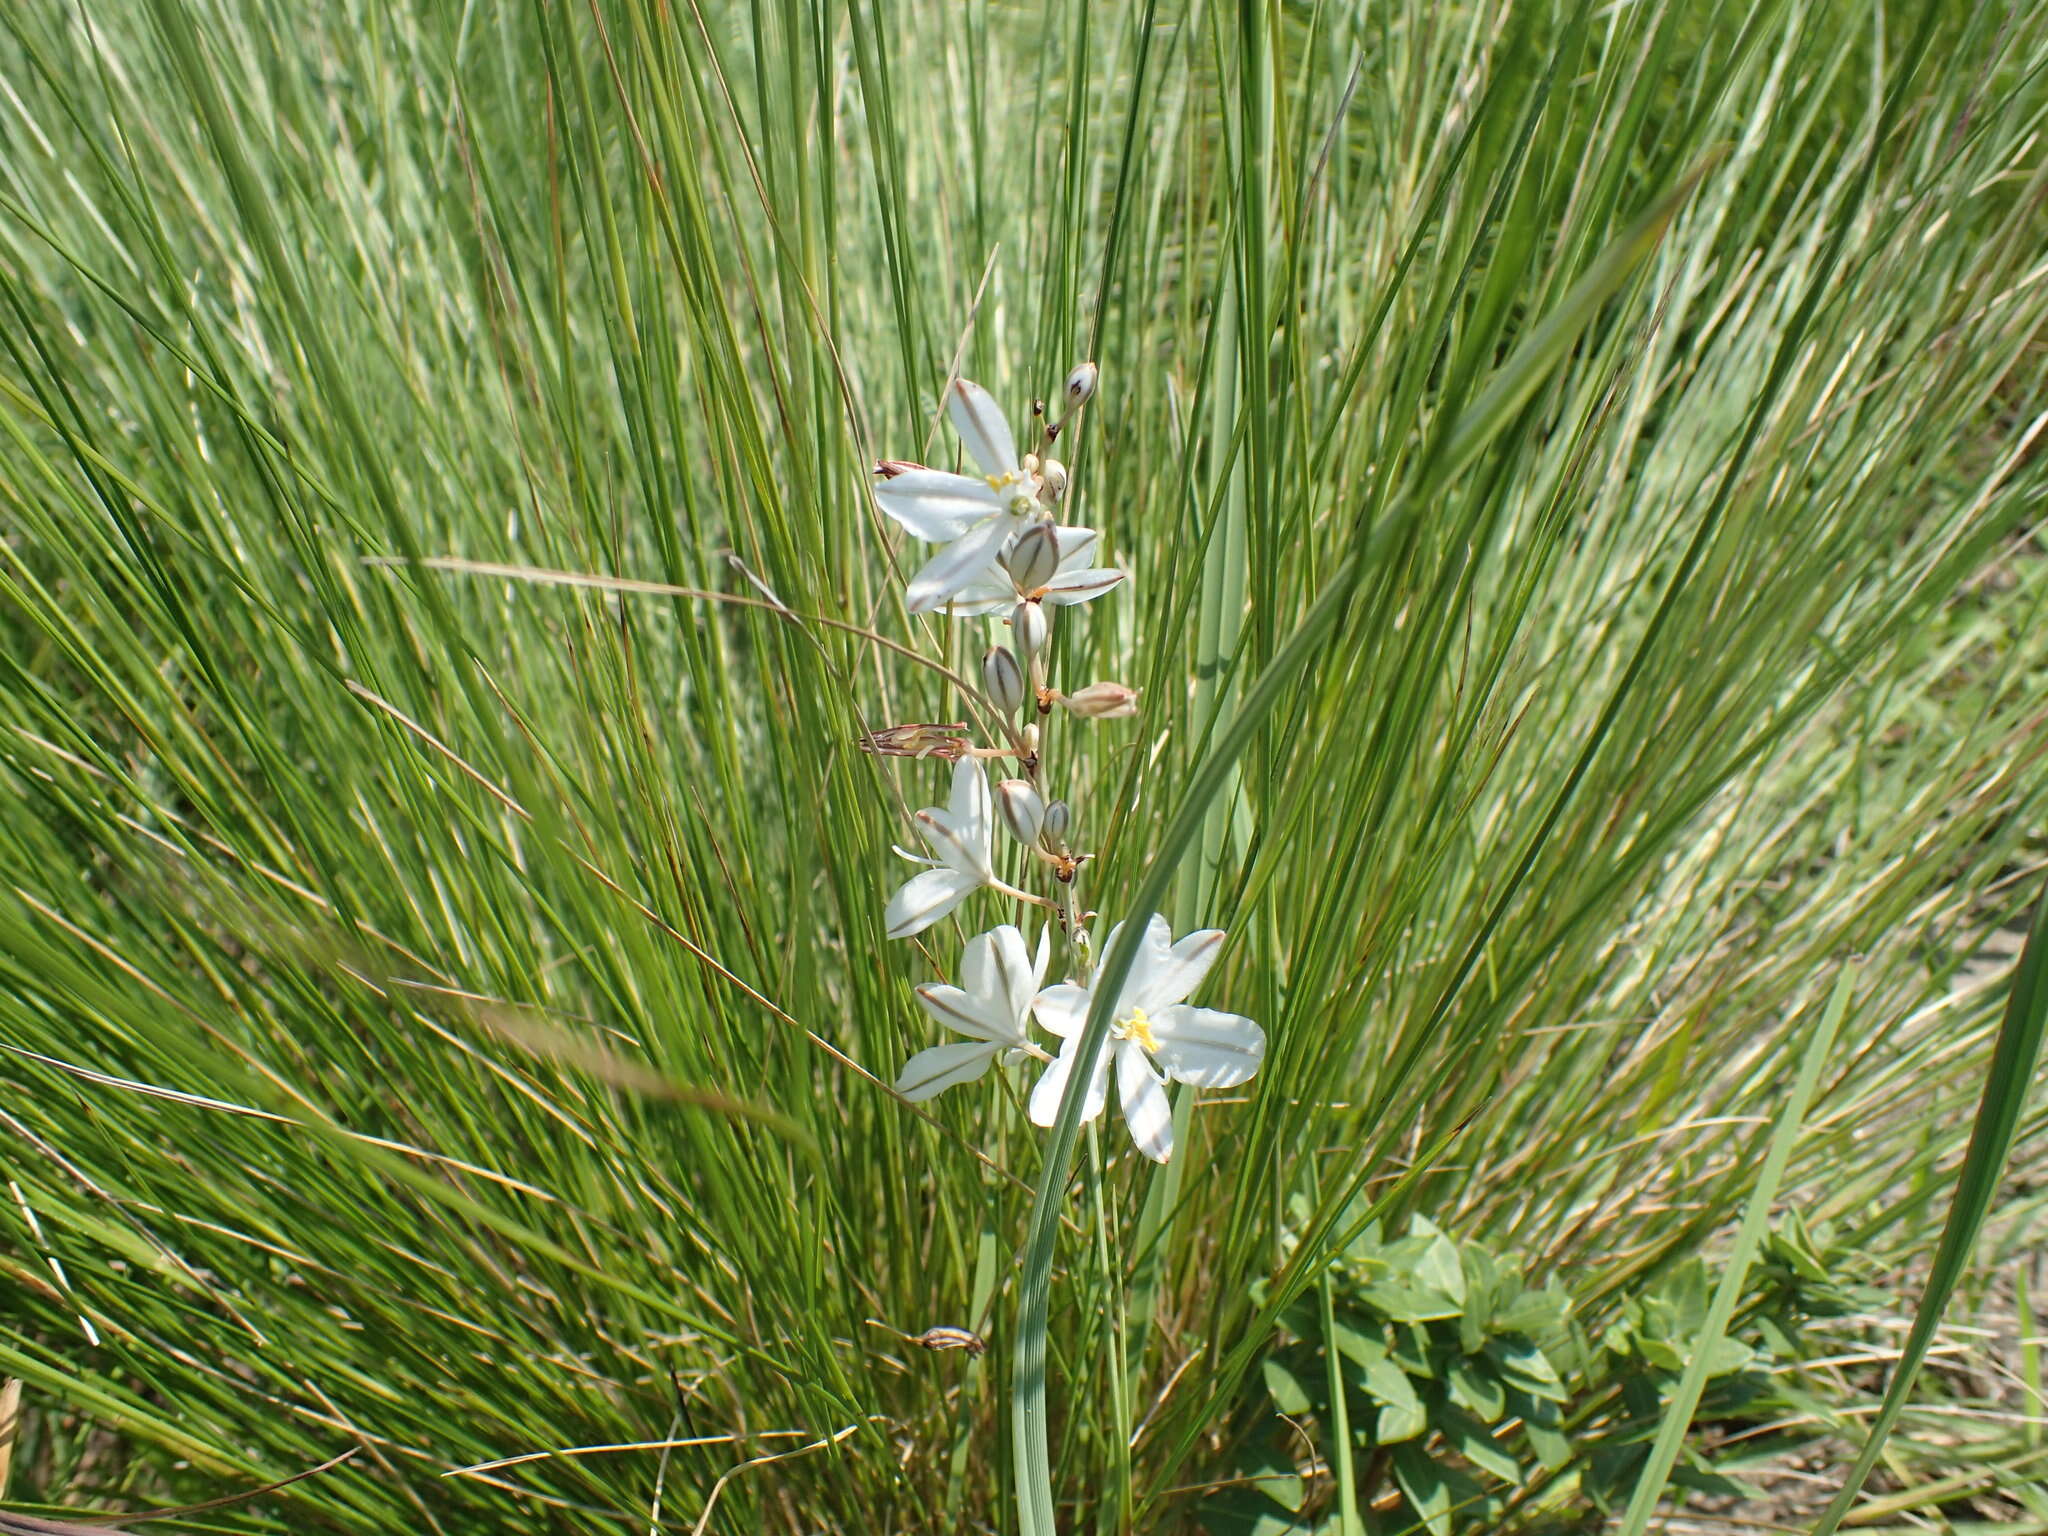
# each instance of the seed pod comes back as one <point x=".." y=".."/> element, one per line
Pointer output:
<point x="1058" y="818"/>
<point x="1034" y="555"/>
<point x="1081" y="384"/>
<point x="1003" y="678"/>
<point x="1102" y="701"/>
<point x="1028" y="626"/>
<point x="1022" y="810"/>
<point x="1052" y="482"/>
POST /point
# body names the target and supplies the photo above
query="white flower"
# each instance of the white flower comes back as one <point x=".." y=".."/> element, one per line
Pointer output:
<point x="959" y="835"/>
<point x="992" y="1008"/>
<point x="1077" y="580"/>
<point x="972" y="516"/>
<point x="1154" y="1035"/>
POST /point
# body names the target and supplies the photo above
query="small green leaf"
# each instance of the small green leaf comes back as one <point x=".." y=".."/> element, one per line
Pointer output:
<point x="1478" y="1391"/>
<point x="1662" y="1355"/>
<point x="1400" y="1421"/>
<point x="1410" y="1345"/>
<point x="1435" y="1491"/>
<point x="1471" y="1441"/>
<point x="1549" y="1445"/>
<point x="1776" y="1339"/>
<point x="1273" y="1475"/>
<point x="1409" y="1303"/>
<point x="1523" y="1365"/>
<point x="1242" y="1511"/>
<point x="1439" y="1267"/>
<point x="1728" y="1357"/>
<point x="1284" y="1388"/>
<point x="1535" y="1313"/>
<point x="1356" y="1346"/>
<point x="1384" y="1382"/>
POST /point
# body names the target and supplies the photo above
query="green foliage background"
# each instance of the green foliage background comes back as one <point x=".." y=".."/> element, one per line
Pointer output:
<point x="447" y="1011"/>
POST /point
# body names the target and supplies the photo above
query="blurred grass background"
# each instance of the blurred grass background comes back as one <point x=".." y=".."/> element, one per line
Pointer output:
<point x="447" y="1014"/>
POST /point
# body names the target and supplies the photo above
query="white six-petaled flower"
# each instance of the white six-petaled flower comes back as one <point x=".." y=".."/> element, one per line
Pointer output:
<point x="1078" y="579"/>
<point x="959" y="834"/>
<point x="992" y="1007"/>
<point x="1154" y="1036"/>
<point x="971" y="516"/>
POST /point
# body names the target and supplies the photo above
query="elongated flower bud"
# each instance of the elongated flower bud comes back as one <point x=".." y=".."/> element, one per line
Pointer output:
<point x="1034" y="556"/>
<point x="1027" y="624"/>
<point x="1003" y="678"/>
<point x="1022" y="810"/>
<point x="1058" y="818"/>
<point x="1052" y="482"/>
<point x="1102" y="701"/>
<point x="1081" y="384"/>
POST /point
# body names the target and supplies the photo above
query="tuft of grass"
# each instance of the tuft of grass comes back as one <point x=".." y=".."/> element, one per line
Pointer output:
<point x="442" y="985"/>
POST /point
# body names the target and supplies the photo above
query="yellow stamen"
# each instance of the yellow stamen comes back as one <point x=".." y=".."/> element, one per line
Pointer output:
<point x="1139" y="1028"/>
<point x="997" y="482"/>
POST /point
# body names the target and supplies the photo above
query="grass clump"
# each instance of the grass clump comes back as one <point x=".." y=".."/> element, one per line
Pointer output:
<point x="442" y="965"/>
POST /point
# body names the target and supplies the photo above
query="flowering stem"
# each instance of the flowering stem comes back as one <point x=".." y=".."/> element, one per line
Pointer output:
<point x="1029" y="1441"/>
<point x="1120" y="1402"/>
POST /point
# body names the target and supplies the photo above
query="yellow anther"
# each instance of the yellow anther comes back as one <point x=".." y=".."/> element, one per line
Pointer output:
<point x="997" y="482"/>
<point x="1139" y="1028"/>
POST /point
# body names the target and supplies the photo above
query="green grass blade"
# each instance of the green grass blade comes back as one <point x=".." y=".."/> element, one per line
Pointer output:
<point x="2011" y="1073"/>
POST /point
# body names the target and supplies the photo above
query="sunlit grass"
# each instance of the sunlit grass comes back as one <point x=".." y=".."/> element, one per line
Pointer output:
<point x="449" y="1011"/>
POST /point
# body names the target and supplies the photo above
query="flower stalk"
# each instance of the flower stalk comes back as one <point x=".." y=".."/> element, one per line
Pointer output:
<point x="1003" y="556"/>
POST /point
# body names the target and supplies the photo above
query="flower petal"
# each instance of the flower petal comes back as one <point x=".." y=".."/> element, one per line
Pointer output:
<point x="968" y="806"/>
<point x="957" y="849"/>
<point x="1012" y="981"/>
<point x="936" y="506"/>
<point x="1147" y="1111"/>
<point x="1165" y="972"/>
<point x="957" y="564"/>
<point x="1080" y="586"/>
<point x="1062" y="1010"/>
<point x="1045" y="1098"/>
<point x="924" y="899"/>
<point x="1208" y="1047"/>
<point x="1076" y="547"/>
<point x="967" y="1014"/>
<point x="979" y="599"/>
<point x="943" y="1067"/>
<point x="979" y="421"/>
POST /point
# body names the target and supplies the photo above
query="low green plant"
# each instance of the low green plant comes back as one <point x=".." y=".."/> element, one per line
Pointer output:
<point x="1471" y="1398"/>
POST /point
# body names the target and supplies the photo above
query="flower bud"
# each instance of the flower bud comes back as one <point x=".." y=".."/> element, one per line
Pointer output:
<point x="1003" y="678"/>
<point x="1081" y="384"/>
<point x="1054" y="827"/>
<point x="1034" y="556"/>
<point x="1102" y="701"/>
<point x="1027" y="623"/>
<point x="1052" y="482"/>
<point x="1023" y="812"/>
